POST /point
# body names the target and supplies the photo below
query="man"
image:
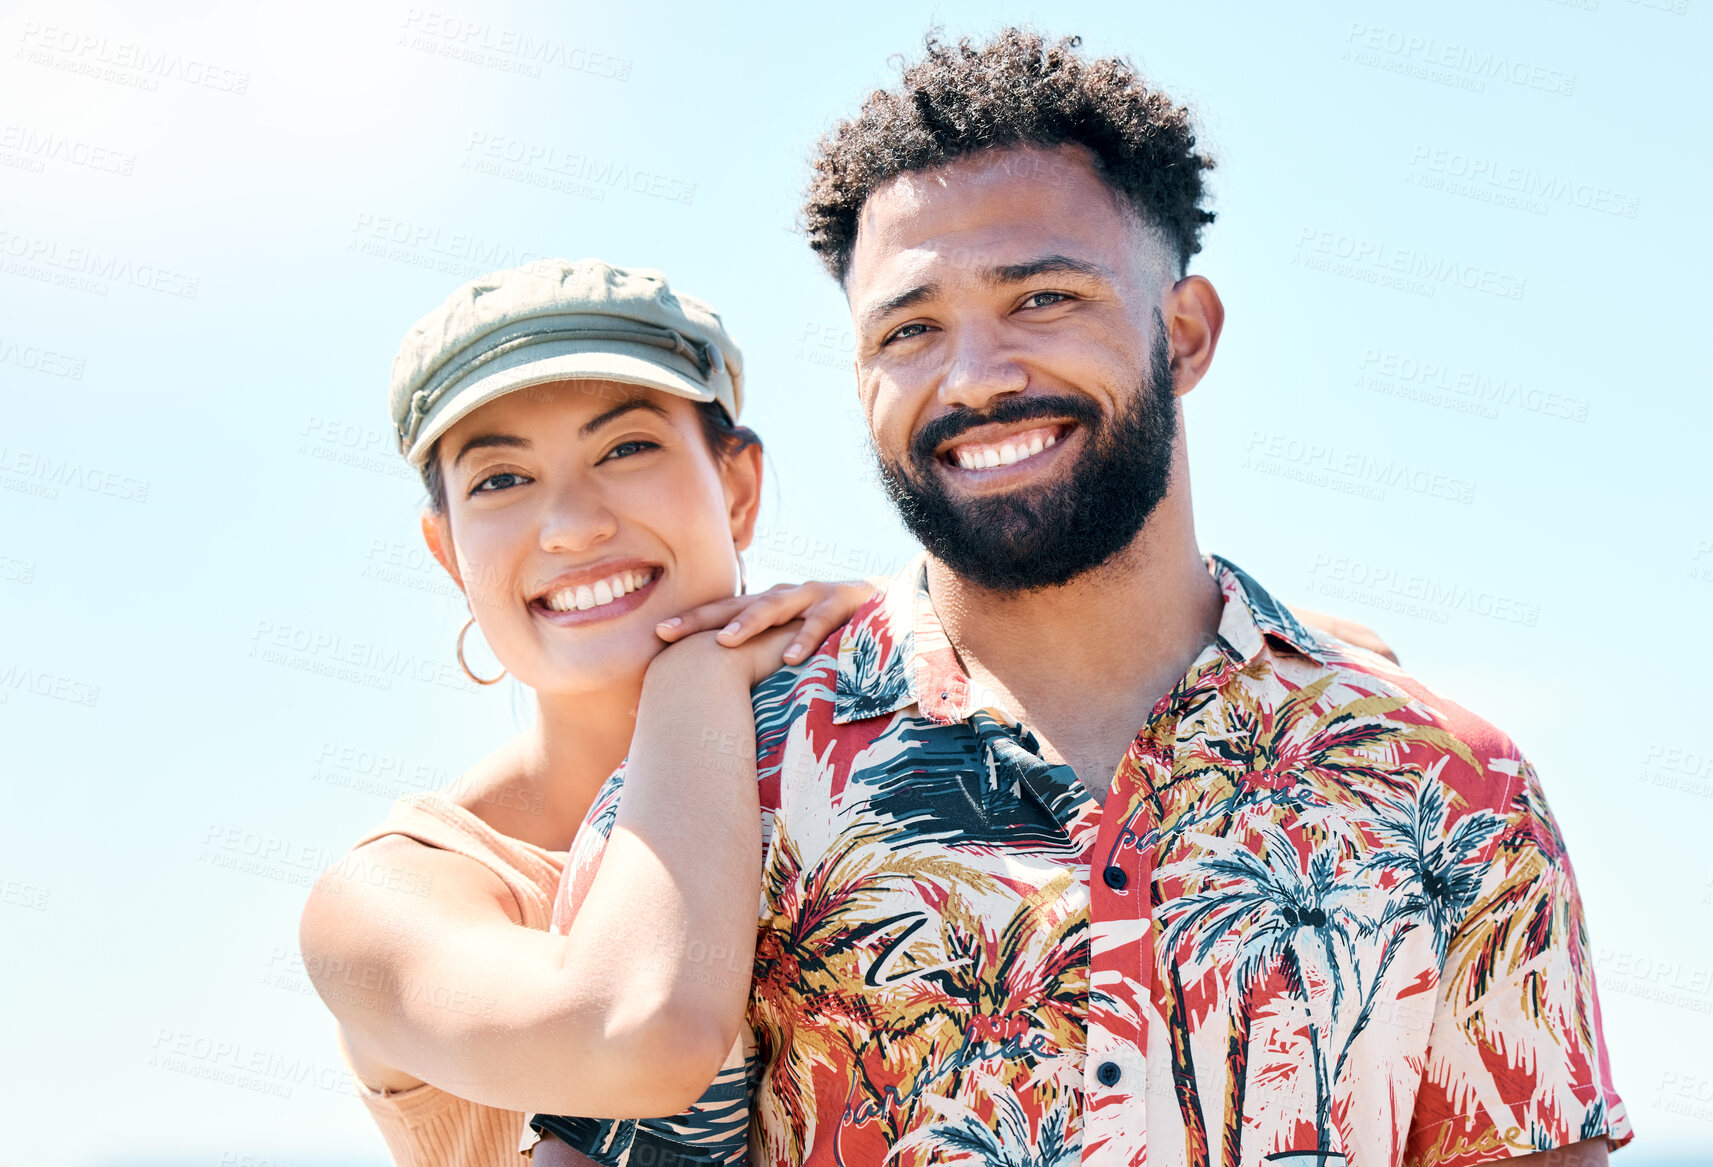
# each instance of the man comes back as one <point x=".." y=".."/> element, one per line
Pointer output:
<point x="1078" y="847"/>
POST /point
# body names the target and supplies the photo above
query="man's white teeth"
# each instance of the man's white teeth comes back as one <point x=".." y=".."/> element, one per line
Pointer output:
<point x="1004" y="454"/>
<point x="602" y="591"/>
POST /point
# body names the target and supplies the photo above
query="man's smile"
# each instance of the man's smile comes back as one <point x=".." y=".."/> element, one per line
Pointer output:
<point x="1003" y="455"/>
<point x="1002" y="450"/>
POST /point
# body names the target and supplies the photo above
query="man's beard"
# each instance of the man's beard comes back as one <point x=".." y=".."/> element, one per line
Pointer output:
<point x="1045" y="536"/>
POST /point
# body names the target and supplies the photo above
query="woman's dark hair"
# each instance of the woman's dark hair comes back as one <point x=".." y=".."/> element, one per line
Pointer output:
<point x="725" y="438"/>
<point x="1016" y="89"/>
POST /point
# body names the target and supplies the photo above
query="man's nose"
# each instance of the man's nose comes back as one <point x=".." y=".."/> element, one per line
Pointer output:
<point x="983" y="366"/>
<point x="577" y="518"/>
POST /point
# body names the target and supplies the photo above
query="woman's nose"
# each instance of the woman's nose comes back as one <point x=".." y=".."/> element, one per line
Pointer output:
<point x="576" y="520"/>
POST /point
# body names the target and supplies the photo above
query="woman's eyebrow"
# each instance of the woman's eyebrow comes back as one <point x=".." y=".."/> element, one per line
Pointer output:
<point x="617" y="411"/>
<point x="483" y="440"/>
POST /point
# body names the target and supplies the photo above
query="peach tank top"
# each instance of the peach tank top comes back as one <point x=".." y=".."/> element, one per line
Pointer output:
<point x="424" y="1126"/>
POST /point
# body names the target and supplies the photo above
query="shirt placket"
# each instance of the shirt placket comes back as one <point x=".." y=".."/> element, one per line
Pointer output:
<point x="1123" y="959"/>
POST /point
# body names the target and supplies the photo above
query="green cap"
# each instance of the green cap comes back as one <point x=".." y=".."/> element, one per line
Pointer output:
<point x="557" y="320"/>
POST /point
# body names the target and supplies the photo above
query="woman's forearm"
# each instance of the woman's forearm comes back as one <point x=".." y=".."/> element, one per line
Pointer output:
<point x="662" y="945"/>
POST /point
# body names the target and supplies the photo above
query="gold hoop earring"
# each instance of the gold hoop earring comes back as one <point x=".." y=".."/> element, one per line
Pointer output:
<point x="743" y="576"/>
<point x="461" y="634"/>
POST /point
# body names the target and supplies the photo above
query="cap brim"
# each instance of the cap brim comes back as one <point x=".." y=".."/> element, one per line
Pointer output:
<point x="545" y="363"/>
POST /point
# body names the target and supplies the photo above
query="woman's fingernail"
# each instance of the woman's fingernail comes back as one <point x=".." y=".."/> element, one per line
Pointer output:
<point x="792" y="652"/>
<point x="729" y="628"/>
<point x="672" y="623"/>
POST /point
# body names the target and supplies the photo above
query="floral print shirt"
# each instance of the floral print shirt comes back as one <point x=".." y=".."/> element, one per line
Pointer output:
<point x="1323" y="917"/>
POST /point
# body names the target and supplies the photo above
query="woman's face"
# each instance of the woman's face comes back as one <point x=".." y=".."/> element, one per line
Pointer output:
<point x="578" y="516"/>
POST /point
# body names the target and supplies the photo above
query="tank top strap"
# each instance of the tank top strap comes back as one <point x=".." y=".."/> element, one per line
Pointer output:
<point x="530" y="872"/>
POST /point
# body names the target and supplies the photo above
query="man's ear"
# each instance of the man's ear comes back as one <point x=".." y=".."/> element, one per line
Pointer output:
<point x="437" y="533"/>
<point x="1194" y="317"/>
<point x="742" y="475"/>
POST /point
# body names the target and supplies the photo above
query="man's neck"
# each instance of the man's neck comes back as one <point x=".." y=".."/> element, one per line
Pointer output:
<point x="1083" y="664"/>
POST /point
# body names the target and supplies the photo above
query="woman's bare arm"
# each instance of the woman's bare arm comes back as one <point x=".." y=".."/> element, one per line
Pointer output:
<point x="425" y="965"/>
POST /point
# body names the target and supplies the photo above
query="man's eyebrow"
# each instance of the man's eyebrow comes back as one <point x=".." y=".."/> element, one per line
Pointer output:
<point x="481" y="441"/>
<point x="1046" y="265"/>
<point x="898" y="303"/>
<point x="617" y="411"/>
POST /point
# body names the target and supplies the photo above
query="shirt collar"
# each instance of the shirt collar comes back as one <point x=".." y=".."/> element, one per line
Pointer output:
<point x="894" y="652"/>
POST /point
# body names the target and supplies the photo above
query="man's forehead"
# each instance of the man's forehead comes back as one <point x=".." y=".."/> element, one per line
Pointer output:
<point x="988" y="210"/>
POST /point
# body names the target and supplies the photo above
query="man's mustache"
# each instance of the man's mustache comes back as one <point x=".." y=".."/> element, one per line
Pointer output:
<point x="1007" y="411"/>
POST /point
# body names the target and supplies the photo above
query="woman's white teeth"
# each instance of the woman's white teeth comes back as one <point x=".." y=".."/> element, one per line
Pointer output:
<point x="602" y="591"/>
<point x="1004" y="454"/>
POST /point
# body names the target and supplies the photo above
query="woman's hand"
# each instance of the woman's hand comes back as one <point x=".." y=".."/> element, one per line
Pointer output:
<point x="821" y="606"/>
<point x="702" y="659"/>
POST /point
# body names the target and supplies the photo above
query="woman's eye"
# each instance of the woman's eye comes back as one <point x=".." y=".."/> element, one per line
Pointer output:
<point x="627" y="449"/>
<point x="1044" y="299"/>
<point x="906" y="333"/>
<point x="501" y="481"/>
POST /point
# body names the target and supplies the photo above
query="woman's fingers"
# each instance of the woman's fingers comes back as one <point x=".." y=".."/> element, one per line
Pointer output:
<point x="716" y="614"/>
<point x="820" y="619"/>
<point x="822" y="606"/>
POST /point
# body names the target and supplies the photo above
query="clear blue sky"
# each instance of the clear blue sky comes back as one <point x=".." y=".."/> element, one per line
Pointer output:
<point x="1461" y="396"/>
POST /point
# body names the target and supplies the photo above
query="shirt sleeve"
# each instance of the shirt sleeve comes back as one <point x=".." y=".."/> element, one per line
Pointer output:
<point x="1516" y="1060"/>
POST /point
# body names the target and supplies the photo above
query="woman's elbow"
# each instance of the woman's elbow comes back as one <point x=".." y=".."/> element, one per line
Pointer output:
<point x="654" y="1070"/>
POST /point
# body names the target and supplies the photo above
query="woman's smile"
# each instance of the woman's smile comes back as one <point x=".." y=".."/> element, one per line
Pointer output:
<point x="599" y="592"/>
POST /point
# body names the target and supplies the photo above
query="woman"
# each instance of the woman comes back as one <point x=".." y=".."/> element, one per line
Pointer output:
<point x="574" y="424"/>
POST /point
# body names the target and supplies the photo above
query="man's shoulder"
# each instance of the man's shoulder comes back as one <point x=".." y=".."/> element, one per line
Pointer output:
<point x="1379" y="708"/>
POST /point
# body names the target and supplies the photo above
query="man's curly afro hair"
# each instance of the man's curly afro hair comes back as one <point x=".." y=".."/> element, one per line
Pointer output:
<point x="1015" y="90"/>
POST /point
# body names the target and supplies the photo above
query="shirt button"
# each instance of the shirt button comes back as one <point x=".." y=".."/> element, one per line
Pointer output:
<point x="1109" y="1073"/>
<point x="1115" y="879"/>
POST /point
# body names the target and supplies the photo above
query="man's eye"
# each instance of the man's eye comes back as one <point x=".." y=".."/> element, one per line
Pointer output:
<point x="906" y="333"/>
<point x="1044" y="299"/>
<point x="630" y="448"/>
<point x="504" y="480"/>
